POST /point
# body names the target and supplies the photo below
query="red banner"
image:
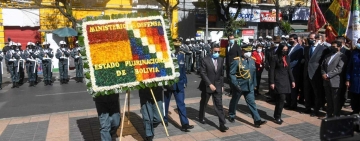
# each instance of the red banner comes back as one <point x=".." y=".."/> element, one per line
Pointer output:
<point x="269" y="16"/>
<point x="248" y="32"/>
<point x="317" y="19"/>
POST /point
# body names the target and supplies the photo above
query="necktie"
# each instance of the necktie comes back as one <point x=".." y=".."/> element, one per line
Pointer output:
<point x="215" y="64"/>
<point x="311" y="51"/>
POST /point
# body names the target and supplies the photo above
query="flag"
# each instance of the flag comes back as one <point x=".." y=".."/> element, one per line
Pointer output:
<point x="330" y="34"/>
<point x="353" y="31"/>
<point x="338" y="16"/>
<point x="316" y="20"/>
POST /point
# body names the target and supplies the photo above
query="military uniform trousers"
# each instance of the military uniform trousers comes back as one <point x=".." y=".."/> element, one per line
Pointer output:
<point x="109" y="118"/>
<point x="188" y="63"/>
<point x="250" y="101"/>
<point x="31" y="72"/>
<point x="79" y="69"/>
<point x="13" y="71"/>
<point x="150" y="115"/>
<point x="1" y="66"/>
<point x="179" y="98"/>
<point x="197" y="61"/>
<point x="46" y="66"/>
<point x="21" y="72"/>
<point x="63" y="69"/>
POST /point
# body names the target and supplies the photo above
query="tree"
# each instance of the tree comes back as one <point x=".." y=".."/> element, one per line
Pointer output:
<point x="230" y="19"/>
<point x="66" y="9"/>
<point x="169" y="8"/>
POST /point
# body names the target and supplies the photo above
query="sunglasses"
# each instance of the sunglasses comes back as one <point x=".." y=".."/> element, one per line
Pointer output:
<point x="216" y="51"/>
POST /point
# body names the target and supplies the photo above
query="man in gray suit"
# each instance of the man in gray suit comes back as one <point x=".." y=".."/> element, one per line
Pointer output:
<point x="331" y="69"/>
<point x="313" y="89"/>
<point x="212" y="84"/>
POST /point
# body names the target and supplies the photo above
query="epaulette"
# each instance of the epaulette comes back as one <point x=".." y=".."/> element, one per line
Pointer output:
<point x="253" y="57"/>
<point x="237" y="58"/>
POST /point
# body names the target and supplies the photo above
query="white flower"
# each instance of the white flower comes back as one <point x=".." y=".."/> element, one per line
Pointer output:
<point x="159" y="55"/>
<point x="136" y="33"/>
<point x="168" y="64"/>
<point x="152" y="48"/>
<point x="144" y="41"/>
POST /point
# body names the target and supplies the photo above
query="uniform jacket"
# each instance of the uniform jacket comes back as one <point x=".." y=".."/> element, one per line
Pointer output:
<point x="12" y="57"/>
<point x="333" y="70"/>
<point x="182" y="70"/>
<point x="281" y="76"/>
<point x="296" y="55"/>
<point x="75" y="54"/>
<point x="60" y="53"/>
<point x="210" y="76"/>
<point x="259" y="61"/>
<point x="353" y="71"/>
<point x="30" y="56"/>
<point x="313" y="62"/>
<point x="48" y="53"/>
<point x="246" y="84"/>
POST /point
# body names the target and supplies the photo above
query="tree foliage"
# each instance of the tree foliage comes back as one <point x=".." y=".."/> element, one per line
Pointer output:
<point x="169" y="8"/>
<point x="66" y="9"/>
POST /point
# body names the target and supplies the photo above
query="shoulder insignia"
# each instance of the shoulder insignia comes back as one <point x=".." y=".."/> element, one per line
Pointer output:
<point x="237" y="58"/>
<point x="253" y="57"/>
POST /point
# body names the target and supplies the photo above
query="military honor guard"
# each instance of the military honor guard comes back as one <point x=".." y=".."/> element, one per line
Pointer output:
<point x="197" y="49"/>
<point x="178" y="90"/>
<point x="243" y="81"/>
<point x="12" y="58"/>
<point x="1" y="67"/>
<point x="76" y="54"/>
<point x="31" y="63"/>
<point x="46" y="55"/>
<point x="186" y="48"/>
<point x="63" y="54"/>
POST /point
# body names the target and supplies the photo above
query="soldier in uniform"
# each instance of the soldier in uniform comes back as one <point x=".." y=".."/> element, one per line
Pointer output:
<point x="207" y="47"/>
<point x="12" y="58"/>
<point x="21" y="64"/>
<point x="31" y="63"/>
<point x="46" y="56"/>
<point x="188" y="55"/>
<point x="24" y="55"/>
<point x="78" y="62"/>
<point x="192" y="49"/>
<point x="63" y="54"/>
<point x="261" y="41"/>
<point x="243" y="79"/>
<point x="1" y="67"/>
<point x="197" y="50"/>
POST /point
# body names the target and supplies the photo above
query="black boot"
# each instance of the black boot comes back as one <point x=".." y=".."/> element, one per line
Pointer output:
<point x="76" y="79"/>
<point x="50" y="82"/>
<point x="31" y="84"/>
<point x="14" y="85"/>
<point x="0" y="87"/>
<point x="45" y="82"/>
<point x="81" y="80"/>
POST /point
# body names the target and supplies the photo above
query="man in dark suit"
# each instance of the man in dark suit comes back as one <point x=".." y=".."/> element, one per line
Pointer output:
<point x="296" y="54"/>
<point x="268" y="57"/>
<point x="178" y="89"/>
<point x="233" y="50"/>
<point x="313" y="55"/>
<point x="243" y="78"/>
<point x="212" y="84"/>
<point x="331" y="71"/>
<point x="346" y="51"/>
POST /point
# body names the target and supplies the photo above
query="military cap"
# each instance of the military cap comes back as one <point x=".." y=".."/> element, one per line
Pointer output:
<point x="247" y="47"/>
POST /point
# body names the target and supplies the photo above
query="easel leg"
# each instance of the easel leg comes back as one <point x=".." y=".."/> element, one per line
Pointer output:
<point x="157" y="106"/>
<point x="123" y="117"/>
<point x="128" y="107"/>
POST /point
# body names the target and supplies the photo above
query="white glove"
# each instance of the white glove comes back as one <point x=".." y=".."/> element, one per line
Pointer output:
<point x="260" y="66"/>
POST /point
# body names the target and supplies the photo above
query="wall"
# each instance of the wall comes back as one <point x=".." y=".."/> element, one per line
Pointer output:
<point x="2" y="32"/>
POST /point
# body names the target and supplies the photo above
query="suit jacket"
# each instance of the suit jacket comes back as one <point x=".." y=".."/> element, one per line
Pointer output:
<point x="182" y="70"/>
<point x="313" y="62"/>
<point x="281" y="76"/>
<point x="333" y="70"/>
<point x="210" y="76"/>
<point x="296" y="55"/>
<point x="259" y="60"/>
<point x="249" y="82"/>
<point x="353" y="71"/>
<point x="235" y="51"/>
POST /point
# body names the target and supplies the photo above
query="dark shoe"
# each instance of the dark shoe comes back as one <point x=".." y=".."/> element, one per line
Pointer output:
<point x="76" y="79"/>
<point x="223" y="128"/>
<point x="278" y="121"/>
<point x="232" y="120"/>
<point x="149" y="138"/>
<point x="313" y="114"/>
<point x="293" y="108"/>
<point x="156" y="124"/>
<point x="186" y="127"/>
<point x="306" y="111"/>
<point x="166" y="124"/>
<point x="14" y="85"/>
<point x="258" y="123"/>
<point x="80" y="79"/>
<point x="202" y="121"/>
<point x="45" y="82"/>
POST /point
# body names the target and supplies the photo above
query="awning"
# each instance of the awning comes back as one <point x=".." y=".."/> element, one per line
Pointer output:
<point x="302" y="28"/>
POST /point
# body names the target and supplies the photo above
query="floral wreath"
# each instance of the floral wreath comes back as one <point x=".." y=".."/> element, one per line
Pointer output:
<point x="148" y="45"/>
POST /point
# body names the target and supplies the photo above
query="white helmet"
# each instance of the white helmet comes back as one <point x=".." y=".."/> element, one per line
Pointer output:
<point x="18" y="44"/>
<point x="246" y="41"/>
<point x="282" y="36"/>
<point x="187" y="40"/>
<point x="30" y="43"/>
<point x="45" y="43"/>
<point x="192" y="39"/>
<point x="260" y="37"/>
<point x="62" y="43"/>
<point x="76" y="42"/>
<point x="287" y="36"/>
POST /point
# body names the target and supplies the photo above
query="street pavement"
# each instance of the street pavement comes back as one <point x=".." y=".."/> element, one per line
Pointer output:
<point x="66" y="113"/>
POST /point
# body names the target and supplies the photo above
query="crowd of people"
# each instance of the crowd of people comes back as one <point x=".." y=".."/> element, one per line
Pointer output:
<point x="18" y="61"/>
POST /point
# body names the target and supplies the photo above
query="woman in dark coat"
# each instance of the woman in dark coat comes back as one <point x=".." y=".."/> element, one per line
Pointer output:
<point x="281" y="79"/>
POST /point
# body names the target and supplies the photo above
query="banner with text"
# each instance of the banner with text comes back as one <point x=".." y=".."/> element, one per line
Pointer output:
<point x="269" y="16"/>
<point x="127" y="52"/>
<point x="249" y="15"/>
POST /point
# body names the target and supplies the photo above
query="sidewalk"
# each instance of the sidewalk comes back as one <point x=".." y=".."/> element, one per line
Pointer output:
<point x="84" y="125"/>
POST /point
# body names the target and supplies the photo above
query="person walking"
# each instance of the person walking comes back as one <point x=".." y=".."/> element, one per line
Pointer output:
<point x="259" y="57"/>
<point x="212" y="84"/>
<point x="281" y="79"/>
